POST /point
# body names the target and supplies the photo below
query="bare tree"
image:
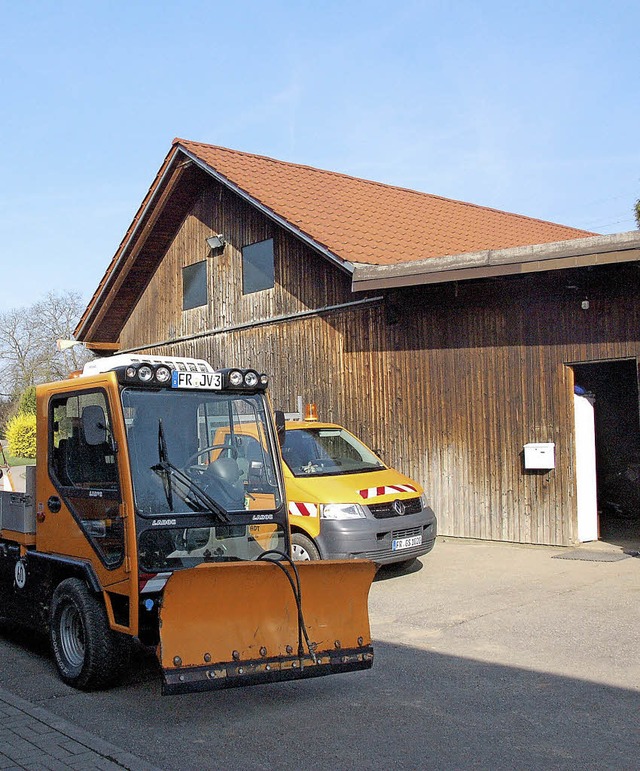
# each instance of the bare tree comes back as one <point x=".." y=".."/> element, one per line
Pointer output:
<point x="28" y="352"/>
<point x="59" y="315"/>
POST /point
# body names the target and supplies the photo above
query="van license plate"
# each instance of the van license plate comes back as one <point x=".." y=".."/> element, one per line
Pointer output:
<point x="406" y="543"/>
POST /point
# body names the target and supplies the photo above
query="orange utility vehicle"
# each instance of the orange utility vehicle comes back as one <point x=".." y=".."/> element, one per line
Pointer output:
<point x="132" y="525"/>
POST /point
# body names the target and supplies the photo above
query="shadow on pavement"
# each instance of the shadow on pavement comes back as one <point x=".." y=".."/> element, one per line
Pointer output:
<point x="414" y="710"/>
<point x="386" y="572"/>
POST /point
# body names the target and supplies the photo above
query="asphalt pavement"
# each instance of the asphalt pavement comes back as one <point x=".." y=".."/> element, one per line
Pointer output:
<point x="488" y="655"/>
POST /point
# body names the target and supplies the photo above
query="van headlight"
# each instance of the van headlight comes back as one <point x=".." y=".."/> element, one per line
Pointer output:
<point x="342" y="511"/>
<point x="423" y="501"/>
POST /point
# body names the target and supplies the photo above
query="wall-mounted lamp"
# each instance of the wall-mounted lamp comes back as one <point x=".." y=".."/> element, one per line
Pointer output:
<point x="64" y="345"/>
<point x="216" y="242"/>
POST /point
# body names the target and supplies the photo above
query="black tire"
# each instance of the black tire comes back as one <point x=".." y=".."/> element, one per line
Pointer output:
<point x="303" y="549"/>
<point x="88" y="654"/>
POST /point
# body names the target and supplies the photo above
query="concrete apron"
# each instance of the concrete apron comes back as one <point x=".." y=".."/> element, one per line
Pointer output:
<point x="518" y="606"/>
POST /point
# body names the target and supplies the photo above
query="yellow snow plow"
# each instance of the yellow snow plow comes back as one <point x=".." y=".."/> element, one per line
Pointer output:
<point x="246" y="623"/>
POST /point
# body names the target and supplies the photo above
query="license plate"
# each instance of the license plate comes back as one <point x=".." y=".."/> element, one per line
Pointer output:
<point x="210" y="381"/>
<point x="406" y="543"/>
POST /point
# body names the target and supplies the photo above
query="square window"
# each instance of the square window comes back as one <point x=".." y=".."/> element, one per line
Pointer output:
<point x="194" y="285"/>
<point x="257" y="267"/>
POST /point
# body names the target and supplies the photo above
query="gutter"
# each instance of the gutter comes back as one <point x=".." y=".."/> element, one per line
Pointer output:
<point x="559" y="255"/>
<point x="253" y="324"/>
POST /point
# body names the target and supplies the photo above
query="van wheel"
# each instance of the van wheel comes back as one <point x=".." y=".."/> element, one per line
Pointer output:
<point x="89" y="655"/>
<point x="303" y="549"/>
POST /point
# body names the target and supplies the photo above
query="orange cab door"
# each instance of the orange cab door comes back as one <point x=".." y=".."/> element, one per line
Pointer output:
<point x="83" y="487"/>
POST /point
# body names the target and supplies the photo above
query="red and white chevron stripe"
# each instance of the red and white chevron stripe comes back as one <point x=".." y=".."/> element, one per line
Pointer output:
<point x="153" y="582"/>
<point x="303" y="509"/>
<point x="374" y="492"/>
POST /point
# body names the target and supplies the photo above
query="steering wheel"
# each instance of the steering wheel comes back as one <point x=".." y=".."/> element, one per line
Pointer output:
<point x="218" y="484"/>
<point x="210" y="448"/>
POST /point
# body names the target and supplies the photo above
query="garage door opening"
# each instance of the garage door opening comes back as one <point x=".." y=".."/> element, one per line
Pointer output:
<point x="611" y="388"/>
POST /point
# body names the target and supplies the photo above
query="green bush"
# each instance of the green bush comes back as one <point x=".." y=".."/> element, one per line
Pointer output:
<point x="27" y="403"/>
<point x="21" y="436"/>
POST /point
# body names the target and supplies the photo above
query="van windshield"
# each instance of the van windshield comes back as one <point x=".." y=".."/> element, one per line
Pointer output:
<point x="326" y="452"/>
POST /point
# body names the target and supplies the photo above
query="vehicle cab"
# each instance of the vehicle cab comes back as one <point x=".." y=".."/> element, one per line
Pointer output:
<point x="344" y="502"/>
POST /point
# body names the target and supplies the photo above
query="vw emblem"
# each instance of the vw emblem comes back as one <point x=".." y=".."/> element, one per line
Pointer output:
<point x="399" y="507"/>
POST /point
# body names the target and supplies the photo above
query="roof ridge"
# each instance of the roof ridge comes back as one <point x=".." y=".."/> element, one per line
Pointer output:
<point x="376" y="183"/>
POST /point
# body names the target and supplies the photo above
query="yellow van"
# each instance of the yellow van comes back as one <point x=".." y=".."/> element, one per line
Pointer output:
<point x="344" y="502"/>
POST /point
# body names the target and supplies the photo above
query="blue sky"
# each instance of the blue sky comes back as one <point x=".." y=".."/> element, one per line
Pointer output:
<point x="531" y="107"/>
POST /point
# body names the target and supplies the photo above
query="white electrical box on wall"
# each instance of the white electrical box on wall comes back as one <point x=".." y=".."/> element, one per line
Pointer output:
<point x="540" y="455"/>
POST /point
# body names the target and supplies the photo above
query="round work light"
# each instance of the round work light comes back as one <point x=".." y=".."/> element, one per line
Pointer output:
<point x="145" y="373"/>
<point x="251" y="379"/>
<point x="163" y="374"/>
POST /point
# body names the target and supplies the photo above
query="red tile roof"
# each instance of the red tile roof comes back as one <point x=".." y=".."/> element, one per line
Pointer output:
<point x="354" y="220"/>
<point x="361" y="221"/>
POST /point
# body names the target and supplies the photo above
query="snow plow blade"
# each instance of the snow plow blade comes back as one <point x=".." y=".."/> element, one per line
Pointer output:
<point x="236" y="624"/>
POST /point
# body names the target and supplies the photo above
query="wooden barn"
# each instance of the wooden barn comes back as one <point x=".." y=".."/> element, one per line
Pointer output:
<point x="491" y="356"/>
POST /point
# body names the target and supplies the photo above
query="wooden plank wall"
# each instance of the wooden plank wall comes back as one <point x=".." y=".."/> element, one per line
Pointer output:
<point x="448" y="382"/>
<point x="461" y="383"/>
<point x="303" y="280"/>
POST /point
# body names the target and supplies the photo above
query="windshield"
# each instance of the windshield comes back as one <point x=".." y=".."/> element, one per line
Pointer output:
<point x="326" y="452"/>
<point x="188" y="453"/>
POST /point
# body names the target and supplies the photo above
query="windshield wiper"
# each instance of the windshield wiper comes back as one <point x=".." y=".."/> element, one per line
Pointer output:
<point x="194" y="492"/>
<point x="162" y="465"/>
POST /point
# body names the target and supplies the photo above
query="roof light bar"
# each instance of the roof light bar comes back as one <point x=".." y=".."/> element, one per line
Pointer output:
<point x="181" y="363"/>
<point x="161" y="375"/>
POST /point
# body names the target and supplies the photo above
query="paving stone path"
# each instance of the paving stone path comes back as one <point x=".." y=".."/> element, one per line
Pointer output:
<point x="33" y="738"/>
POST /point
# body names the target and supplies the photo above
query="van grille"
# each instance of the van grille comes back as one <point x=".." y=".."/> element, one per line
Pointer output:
<point x="408" y="533"/>
<point x="385" y="510"/>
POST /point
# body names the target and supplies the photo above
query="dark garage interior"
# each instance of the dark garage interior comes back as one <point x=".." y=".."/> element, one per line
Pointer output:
<point x="614" y="386"/>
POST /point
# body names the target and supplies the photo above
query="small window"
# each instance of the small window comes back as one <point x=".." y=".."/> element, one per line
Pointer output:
<point x="194" y="285"/>
<point x="257" y="266"/>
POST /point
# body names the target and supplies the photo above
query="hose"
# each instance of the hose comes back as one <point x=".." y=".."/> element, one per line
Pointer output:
<point x="297" y="593"/>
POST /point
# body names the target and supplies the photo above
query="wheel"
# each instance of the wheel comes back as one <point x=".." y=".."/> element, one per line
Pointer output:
<point x="88" y="654"/>
<point x="303" y="549"/>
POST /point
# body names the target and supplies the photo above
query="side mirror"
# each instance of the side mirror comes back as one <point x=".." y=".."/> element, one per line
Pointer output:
<point x="94" y="428"/>
<point x="280" y="427"/>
